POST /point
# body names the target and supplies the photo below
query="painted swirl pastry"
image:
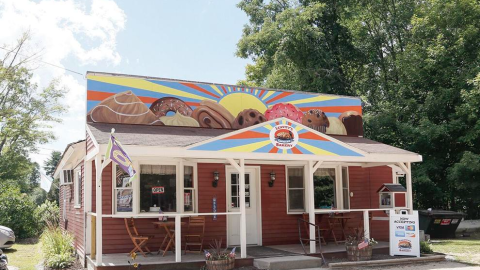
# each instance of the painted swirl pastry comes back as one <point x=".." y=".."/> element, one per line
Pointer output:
<point x="123" y="108"/>
<point x="247" y="118"/>
<point x="179" y="120"/>
<point x="164" y="105"/>
<point x="336" y="127"/>
<point x="212" y="115"/>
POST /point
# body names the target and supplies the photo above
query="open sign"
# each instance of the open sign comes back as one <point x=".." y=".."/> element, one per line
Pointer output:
<point x="158" y="190"/>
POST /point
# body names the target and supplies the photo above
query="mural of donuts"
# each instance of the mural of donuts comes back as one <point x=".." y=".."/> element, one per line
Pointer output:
<point x="134" y="100"/>
<point x="265" y="139"/>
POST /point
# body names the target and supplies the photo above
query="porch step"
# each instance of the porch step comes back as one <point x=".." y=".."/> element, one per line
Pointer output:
<point x="287" y="263"/>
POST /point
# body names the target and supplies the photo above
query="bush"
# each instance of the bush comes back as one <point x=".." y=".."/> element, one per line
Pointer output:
<point x="425" y="247"/>
<point x="57" y="247"/>
<point x="17" y="211"/>
<point x="48" y="215"/>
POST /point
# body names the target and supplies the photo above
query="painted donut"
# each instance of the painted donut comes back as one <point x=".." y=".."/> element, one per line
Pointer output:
<point x="212" y="115"/>
<point x="164" y="105"/>
<point x="316" y="119"/>
<point x="247" y="118"/>
<point x="286" y="110"/>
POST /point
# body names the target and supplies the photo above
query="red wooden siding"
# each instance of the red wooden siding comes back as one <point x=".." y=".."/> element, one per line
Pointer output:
<point x="74" y="216"/>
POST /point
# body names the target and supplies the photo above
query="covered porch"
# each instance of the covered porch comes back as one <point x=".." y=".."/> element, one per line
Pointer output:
<point x="229" y="158"/>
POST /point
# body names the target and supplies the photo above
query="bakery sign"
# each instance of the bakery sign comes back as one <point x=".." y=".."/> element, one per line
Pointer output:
<point x="404" y="234"/>
<point x="283" y="137"/>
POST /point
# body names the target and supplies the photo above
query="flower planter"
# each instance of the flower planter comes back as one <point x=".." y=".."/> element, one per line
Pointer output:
<point x="352" y="252"/>
<point x="227" y="264"/>
<point x="365" y="254"/>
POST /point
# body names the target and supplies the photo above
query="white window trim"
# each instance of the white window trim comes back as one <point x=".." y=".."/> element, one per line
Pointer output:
<point x="136" y="186"/>
<point x="305" y="201"/>
<point x="62" y="178"/>
<point x="76" y="188"/>
<point x="348" y="186"/>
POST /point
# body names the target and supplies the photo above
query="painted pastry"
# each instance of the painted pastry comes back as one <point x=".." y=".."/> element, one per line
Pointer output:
<point x="336" y="127"/>
<point x="353" y="123"/>
<point x="164" y="105"/>
<point x="212" y="115"/>
<point x="179" y="120"/>
<point x="123" y="108"/>
<point x="316" y="119"/>
<point x="247" y="118"/>
<point x="286" y="110"/>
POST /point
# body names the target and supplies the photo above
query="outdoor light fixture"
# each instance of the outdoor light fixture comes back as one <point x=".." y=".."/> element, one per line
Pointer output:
<point x="215" y="179"/>
<point x="272" y="179"/>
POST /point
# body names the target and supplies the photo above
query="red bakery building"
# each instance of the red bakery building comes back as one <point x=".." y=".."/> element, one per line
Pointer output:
<point x="247" y="162"/>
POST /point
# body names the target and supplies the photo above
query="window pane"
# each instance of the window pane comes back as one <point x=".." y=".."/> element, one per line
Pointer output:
<point x="124" y="200"/>
<point x="247" y="179"/>
<point x="158" y="188"/>
<point x="346" y="195"/>
<point x="324" y="188"/>
<point x="122" y="178"/>
<point x="188" y="176"/>
<point x="295" y="177"/>
<point x="234" y="178"/>
<point x="295" y="199"/>
<point x="188" y="200"/>
<point x="345" y="177"/>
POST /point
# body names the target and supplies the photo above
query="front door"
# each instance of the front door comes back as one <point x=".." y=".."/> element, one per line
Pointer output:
<point x="252" y="205"/>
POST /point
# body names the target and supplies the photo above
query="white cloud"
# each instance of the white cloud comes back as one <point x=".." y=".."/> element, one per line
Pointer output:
<point x="64" y="30"/>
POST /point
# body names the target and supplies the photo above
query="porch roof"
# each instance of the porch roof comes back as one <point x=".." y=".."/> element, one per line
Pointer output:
<point x="169" y="136"/>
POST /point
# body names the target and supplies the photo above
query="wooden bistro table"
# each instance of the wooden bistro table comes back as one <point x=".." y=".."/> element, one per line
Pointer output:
<point x="168" y="227"/>
<point x="337" y="220"/>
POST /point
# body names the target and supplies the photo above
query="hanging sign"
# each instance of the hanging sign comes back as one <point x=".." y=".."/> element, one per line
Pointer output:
<point x="214" y="207"/>
<point x="404" y="235"/>
<point x="283" y="137"/>
<point x="158" y="190"/>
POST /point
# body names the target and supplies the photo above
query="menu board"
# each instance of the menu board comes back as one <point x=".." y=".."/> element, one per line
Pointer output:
<point x="404" y="235"/>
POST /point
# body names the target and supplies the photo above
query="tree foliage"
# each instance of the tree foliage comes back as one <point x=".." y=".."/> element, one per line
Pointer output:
<point x="414" y="63"/>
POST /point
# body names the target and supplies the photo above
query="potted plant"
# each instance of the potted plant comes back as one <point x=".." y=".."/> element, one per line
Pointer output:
<point x="218" y="258"/>
<point x="359" y="247"/>
<point x="365" y="249"/>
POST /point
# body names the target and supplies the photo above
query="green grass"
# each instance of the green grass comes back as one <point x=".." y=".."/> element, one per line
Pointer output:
<point x="25" y="254"/>
<point x="464" y="249"/>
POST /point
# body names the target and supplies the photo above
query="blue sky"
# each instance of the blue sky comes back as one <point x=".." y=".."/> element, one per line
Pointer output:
<point x="190" y="40"/>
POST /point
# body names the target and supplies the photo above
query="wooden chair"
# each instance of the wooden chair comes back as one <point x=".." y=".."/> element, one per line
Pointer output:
<point x="322" y="231"/>
<point x="195" y="233"/>
<point x="140" y="242"/>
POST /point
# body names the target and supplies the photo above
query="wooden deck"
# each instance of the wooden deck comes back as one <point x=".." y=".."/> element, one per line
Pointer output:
<point x="195" y="261"/>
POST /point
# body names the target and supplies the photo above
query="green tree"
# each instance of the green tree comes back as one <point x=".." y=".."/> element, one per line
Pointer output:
<point x="49" y="166"/>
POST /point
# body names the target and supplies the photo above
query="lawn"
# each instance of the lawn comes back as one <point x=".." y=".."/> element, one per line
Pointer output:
<point x="464" y="249"/>
<point x="25" y="254"/>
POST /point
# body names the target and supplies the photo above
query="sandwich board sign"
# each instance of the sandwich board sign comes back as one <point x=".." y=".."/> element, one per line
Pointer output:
<point x="404" y="235"/>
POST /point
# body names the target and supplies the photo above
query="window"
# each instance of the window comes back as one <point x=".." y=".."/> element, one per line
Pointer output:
<point x="78" y="188"/>
<point x="67" y="177"/>
<point x="295" y="189"/>
<point x="345" y="189"/>
<point x="123" y="191"/>
<point x="189" y="189"/>
<point x="158" y="185"/>
<point x="324" y="188"/>
<point x="235" y="190"/>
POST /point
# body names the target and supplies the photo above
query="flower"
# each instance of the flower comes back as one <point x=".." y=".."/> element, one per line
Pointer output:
<point x="207" y="254"/>
<point x="134" y="255"/>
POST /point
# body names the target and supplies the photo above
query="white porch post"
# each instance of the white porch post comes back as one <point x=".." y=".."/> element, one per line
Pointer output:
<point x="178" y="238"/>
<point x="311" y="168"/>
<point x="243" y="217"/>
<point x="98" y="203"/>
<point x="366" y="224"/>
<point x="409" y="187"/>
<point x="87" y="176"/>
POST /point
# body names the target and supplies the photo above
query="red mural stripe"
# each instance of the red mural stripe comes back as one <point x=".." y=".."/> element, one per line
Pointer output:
<point x="277" y="123"/>
<point x="335" y="109"/>
<point x="224" y="90"/>
<point x="312" y="136"/>
<point x="261" y="93"/>
<point x="196" y="104"/>
<point x="248" y="135"/>
<point x="273" y="150"/>
<point x="251" y="90"/>
<point x="296" y="151"/>
<point x="289" y="123"/>
<point x="282" y="95"/>
<point x="198" y="88"/>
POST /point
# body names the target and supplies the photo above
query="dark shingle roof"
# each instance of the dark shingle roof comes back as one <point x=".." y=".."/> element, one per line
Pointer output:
<point x="389" y="187"/>
<point x="372" y="147"/>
